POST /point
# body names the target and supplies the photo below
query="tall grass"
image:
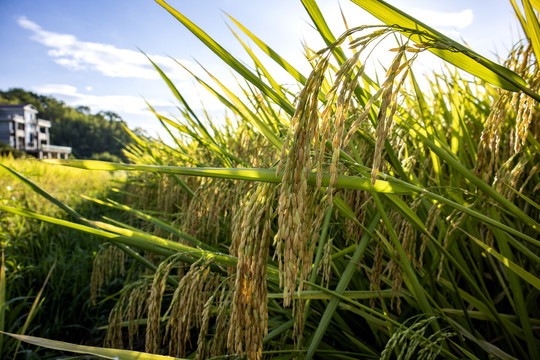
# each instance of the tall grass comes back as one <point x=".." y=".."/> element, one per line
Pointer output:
<point x="45" y="284"/>
<point x="355" y="219"/>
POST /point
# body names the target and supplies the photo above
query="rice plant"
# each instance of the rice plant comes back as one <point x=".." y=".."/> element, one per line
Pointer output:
<point x="45" y="273"/>
<point x="353" y="219"/>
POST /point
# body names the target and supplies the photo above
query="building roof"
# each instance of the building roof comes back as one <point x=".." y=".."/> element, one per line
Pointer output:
<point x="11" y="106"/>
<point x="20" y="107"/>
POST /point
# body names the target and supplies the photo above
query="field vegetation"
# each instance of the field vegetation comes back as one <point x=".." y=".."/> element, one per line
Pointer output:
<point x="351" y="219"/>
<point x="46" y="288"/>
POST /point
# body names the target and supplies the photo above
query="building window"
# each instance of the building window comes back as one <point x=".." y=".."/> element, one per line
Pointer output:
<point x="20" y="126"/>
<point x="42" y="130"/>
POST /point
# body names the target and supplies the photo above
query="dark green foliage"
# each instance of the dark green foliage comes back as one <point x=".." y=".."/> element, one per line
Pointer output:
<point x="106" y="156"/>
<point x="6" y="150"/>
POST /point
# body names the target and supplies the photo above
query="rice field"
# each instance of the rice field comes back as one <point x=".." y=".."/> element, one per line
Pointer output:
<point x="352" y="219"/>
<point x="45" y="272"/>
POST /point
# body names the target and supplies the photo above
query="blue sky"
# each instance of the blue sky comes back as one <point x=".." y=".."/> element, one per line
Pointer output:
<point x="86" y="52"/>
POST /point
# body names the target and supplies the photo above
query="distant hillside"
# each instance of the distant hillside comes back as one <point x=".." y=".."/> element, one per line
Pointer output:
<point x="98" y="136"/>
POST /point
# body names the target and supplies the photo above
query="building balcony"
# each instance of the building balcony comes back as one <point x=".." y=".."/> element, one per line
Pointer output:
<point x="56" y="148"/>
<point x="55" y="152"/>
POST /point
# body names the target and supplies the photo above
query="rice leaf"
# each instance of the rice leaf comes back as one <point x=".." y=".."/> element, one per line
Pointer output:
<point x="34" y="307"/>
<point x="228" y="58"/>
<point x="533" y="27"/>
<point x="137" y="239"/>
<point x="518" y="270"/>
<point x="180" y="98"/>
<point x="485" y="345"/>
<point x="37" y="189"/>
<point x="448" y="50"/>
<point x="263" y="175"/>
<point x="2" y="299"/>
<point x="268" y="50"/>
<point x="322" y="27"/>
<point x="237" y="106"/>
<point x="277" y="88"/>
<point x="113" y="354"/>
<point x="165" y="226"/>
<point x="535" y="4"/>
<point x="340" y="289"/>
<point x="321" y="295"/>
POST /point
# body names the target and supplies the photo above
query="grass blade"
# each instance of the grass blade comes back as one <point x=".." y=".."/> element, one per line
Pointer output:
<point x="2" y="299"/>
<point x="463" y="58"/>
<point x="322" y="27"/>
<point x="515" y="268"/>
<point x="242" y="110"/>
<point x="263" y="175"/>
<point x="34" y="307"/>
<point x="180" y="98"/>
<point x="153" y="220"/>
<point x="340" y="289"/>
<point x="106" y="353"/>
<point x="228" y="58"/>
<point x="275" y="56"/>
<point x="533" y="27"/>
<point x="139" y="240"/>
<point x="37" y="189"/>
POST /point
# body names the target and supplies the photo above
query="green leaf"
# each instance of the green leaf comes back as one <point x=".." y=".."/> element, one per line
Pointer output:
<point x="226" y="155"/>
<point x="180" y="98"/>
<point x="263" y="175"/>
<point x="274" y="55"/>
<point x="451" y="161"/>
<point x="485" y="345"/>
<point x="241" y="109"/>
<point x="536" y="4"/>
<point x="451" y="51"/>
<point x="277" y="88"/>
<point x="340" y="289"/>
<point x="114" y="354"/>
<point x="518" y="270"/>
<point x="38" y="190"/>
<point x="533" y="27"/>
<point x="321" y="295"/>
<point x="2" y="299"/>
<point x="322" y="27"/>
<point x="228" y="58"/>
<point x="162" y="224"/>
<point x="138" y="239"/>
<point x="34" y="308"/>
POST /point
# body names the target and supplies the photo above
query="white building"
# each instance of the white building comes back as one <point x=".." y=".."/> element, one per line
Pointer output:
<point x="21" y="129"/>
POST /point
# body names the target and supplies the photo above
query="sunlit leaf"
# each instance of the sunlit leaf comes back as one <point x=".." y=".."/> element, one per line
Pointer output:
<point x="113" y="354"/>
<point x="263" y="175"/>
<point x="449" y="50"/>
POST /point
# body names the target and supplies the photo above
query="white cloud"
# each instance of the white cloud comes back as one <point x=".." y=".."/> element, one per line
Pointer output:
<point x="449" y="23"/>
<point x="440" y="19"/>
<point x="125" y="104"/>
<point x="68" y="51"/>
